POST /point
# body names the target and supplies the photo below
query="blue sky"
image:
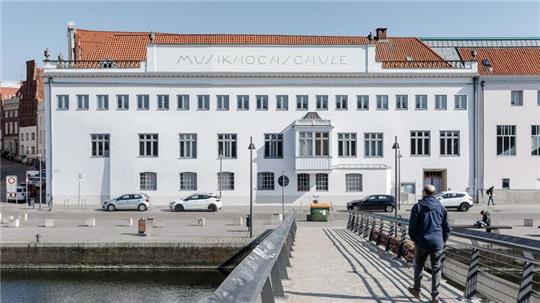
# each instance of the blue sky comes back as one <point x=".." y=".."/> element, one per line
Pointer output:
<point x="27" y="27"/>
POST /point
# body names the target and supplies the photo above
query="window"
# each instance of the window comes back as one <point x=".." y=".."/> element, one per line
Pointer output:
<point x="33" y="136"/>
<point x="183" y="102"/>
<point x="402" y="102"/>
<point x="302" y="102"/>
<point x="347" y="144"/>
<point x="265" y="181"/>
<point x="203" y="102"/>
<point x="223" y="102"/>
<point x="505" y="183"/>
<point x="362" y="102"/>
<point x="440" y="102"/>
<point x="313" y="143"/>
<point x="302" y="182"/>
<point x="321" y="182"/>
<point x="262" y="102"/>
<point x="321" y="144"/>
<point x="122" y="102"/>
<point x="148" y="145"/>
<point x="282" y="102"/>
<point x="242" y="102"/>
<point x="102" y="102"/>
<point x="63" y="102"/>
<point x="516" y="98"/>
<point x="163" y="102"/>
<point x="188" y="181"/>
<point x="535" y="140"/>
<point x="420" y="143"/>
<point x="305" y="142"/>
<point x="322" y="102"/>
<point x="382" y="102"/>
<point x="188" y="145"/>
<point x="227" y="145"/>
<point x="148" y="181"/>
<point x="143" y="102"/>
<point x="421" y="102"/>
<point x="341" y="102"/>
<point x="82" y="102"/>
<point x="506" y="140"/>
<point x="460" y="102"/>
<point x="226" y="181"/>
<point x="273" y="146"/>
<point x="100" y="145"/>
<point x="353" y="182"/>
<point x="22" y="137"/>
<point x="33" y="150"/>
<point x="449" y="143"/>
<point x="373" y="145"/>
<point x="27" y="137"/>
<point x="538" y="98"/>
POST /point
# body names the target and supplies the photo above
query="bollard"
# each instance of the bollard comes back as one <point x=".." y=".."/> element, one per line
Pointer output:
<point x="91" y="222"/>
<point x="49" y="223"/>
<point x="15" y="223"/>
<point x="25" y="217"/>
<point x="129" y="222"/>
<point x="142" y="227"/>
<point x="238" y="221"/>
<point x="0" y="216"/>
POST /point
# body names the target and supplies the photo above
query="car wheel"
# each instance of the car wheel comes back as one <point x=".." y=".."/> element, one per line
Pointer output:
<point x="142" y="207"/>
<point x="388" y="208"/>
<point x="464" y="207"/>
<point x="179" y="207"/>
<point x="111" y="207"/>
<point x="212" y="207"/>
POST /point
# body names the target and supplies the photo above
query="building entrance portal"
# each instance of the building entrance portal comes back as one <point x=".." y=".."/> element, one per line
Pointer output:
<point x="436" y="178"/>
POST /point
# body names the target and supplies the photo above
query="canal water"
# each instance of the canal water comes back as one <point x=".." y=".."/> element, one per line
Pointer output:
<point x="81" y="286"/>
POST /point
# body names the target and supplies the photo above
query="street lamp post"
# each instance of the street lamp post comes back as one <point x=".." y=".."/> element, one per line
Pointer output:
<point x="40" y="182"/>
<point x="220" y="171"/>
<point x="395" y="147"/>
<point x="399" y="177"/>
<point x="251" y="148"/>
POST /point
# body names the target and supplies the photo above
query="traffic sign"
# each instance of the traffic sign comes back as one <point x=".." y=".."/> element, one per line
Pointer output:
<point x="11" y="186"/>
<point x="283" y="181"/>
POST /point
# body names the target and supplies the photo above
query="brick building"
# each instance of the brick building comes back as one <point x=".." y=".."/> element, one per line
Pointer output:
<point x="31" y="93"/>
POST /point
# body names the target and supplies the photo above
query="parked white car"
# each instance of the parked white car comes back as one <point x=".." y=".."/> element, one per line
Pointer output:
<point x="198" y="201"/>
<point x="456" y="199"/>
<point x="20" y="195"/>
<point x="137" y="201"/>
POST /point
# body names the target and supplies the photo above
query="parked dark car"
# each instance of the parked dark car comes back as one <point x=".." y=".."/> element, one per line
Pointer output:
<point x="11" y="156"/>
<point x="373" y="203"/>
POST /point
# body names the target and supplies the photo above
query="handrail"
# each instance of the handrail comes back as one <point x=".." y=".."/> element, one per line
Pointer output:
<point x="261" y="272"/>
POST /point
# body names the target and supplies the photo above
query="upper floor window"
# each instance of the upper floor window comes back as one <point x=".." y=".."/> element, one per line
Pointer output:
<point x="183" y="102"/>
<point x="148" y="145"/>
<point x="102" y="102"/>
<point x="122" y="102"/>
<point x="163" y="102"/>
<point x="449" y="143"/>
<point x="322" y="102"/>
<point x="227" y="145"/>
<point x="282" y="102"/>
<point x="516" y="98"/>
<point x="188" y="181"/>
<point x="535" y="140"/>
<point x="313" y="144"/>
<point x="148" y="181"/>
<point x="302" y="102"/>
<point x="402" y="102"/>
<point x="63" y="102"/>
<point x="460" y="101"/>
<point x="265" y="181"/>
<point x="262" y="102"/>
<point x="420" y="143"/>
<point x="100" y="145"/>
<point x="143" y="102"/>
<point x="242" y="102"/>
<point x="421" y="102"/>
<point x="302" y="182"/>
<point x="353" y="182"/>
<point x="347" y="144"/>
<point x="223" y="102"/>
<point x="506" y="140"/>
<point x="188" y="145"/>
<point x="362" y="102"/>
<point x="203" y="102"/>
<point x="373" y="145"/>
<point x="273" y="146"/>
<point x="341" y="102"/>
<point x="226" y="180"/>
<point x="440" y="102"/>
<point x="382" y="102"/>
<point x="82" y="102"/>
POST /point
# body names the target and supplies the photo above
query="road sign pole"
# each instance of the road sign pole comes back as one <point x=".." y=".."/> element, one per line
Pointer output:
<point x="26" y="185"/>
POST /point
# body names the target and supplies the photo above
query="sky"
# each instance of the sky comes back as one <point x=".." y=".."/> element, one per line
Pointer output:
<point x="28" y="27"/>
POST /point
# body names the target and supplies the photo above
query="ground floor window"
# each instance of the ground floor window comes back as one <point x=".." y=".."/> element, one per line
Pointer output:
<point x="188" y="181"/>
<point x="321" y="182"/>
<point x="302" y="181"/>
<point x="265" y="181"/>
<point x="535" y="140"/>
<point x="505" y="183"/>
<point x="226" y="180"/>
<point x="148" y="181"/>
<point x="353" y="182"/>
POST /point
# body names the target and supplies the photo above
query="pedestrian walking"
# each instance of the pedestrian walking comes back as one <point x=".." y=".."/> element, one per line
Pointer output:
<point x="429" y="229"/>
<point x="489" y="192"/>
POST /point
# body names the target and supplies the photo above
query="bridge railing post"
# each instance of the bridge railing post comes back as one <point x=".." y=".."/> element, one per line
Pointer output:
<point x="360" y="227"/>
<point x="402" y="238"/>
<point x="267" y="295"/>
<point x="525" y="285"/>
<point x="472" y="274"/>
<point x="389" y="238"/>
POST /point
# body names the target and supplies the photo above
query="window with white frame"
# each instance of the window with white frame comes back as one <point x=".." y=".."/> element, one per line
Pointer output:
<point x="302" y="182"/>
<point x="122" y="102"/>
<point x="305" y="143"/>
<point x="100" y="145"/>
<point x="341" y="102"/>
<point x="322" y="144"/>
<point x="188" y="181"/>
<point x="223" y="102"/>
<point x="353" y="182"/>
<point x="102" y="102"/>
<point x="163" y="102"/>
<point x="302" y="102"/>
<point x="188" y="146"/>
<point x="421" y="102"/>
<point x="203" y="102"/>
<point x="182" y="102"/>
<point x="148" y="145"/>
<point x="362" y="102"/>
<point x="143" y="102"/>
<point x="347" y="144"/>
<point x="227" y="145"/>
<point x="273" y="146"/>
<point x="373" y="145"/>
<point x="321" y="182"/>
<point x="242" y="102"/>
<point x="282" y="102"/>
<point x="506" y="140"/>
<point x="449" y="143"/>
<point x="420" y="143"/>
<point x="440" y="102"/>
<point x="82" y="102"/>
<point x="535" y="140"/>
<point x="382" y="102"/>
<point x="262" y="102"/>
<point x="460" y="102"/>
<point x="265" y="181"/>
<point x="516" y="97"/>
<point x="63" y="102"/>
<point x="402" y="102"/>
<point x="148" y="181"/>
<point x="321" y="102"/>
<point x="225" y="180"/>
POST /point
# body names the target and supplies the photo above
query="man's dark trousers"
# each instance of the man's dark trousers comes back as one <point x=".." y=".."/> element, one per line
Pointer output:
<point x="420" y="257"/>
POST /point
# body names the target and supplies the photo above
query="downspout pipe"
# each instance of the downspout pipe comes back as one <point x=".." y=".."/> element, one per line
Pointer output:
<point x="475" y="136"/>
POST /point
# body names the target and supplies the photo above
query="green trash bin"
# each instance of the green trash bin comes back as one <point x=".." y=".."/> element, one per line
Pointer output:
<point x="320" y="211"/>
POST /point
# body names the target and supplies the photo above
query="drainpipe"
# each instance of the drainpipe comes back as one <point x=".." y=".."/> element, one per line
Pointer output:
<point x="48" y="142"/>
<point x="475" y="149"/>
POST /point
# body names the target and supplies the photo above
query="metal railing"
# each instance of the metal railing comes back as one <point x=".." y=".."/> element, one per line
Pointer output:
<point x="95" y="64"/>
<point x="425" y="64"/>
<point x="498" y="267"/>
<point x="258" y="277"/>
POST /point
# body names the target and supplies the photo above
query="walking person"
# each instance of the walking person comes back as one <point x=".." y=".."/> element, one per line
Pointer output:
<point x="429" y="229"/>
<point x="489" y="192"/>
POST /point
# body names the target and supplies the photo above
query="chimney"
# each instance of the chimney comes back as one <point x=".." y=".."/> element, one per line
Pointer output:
<point x="380" y="34"/>
<point x="30" y="70"/>
<point x="71" y="40"/>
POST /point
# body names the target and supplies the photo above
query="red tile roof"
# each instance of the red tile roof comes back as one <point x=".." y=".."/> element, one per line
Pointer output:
<point x="505" y="61"/>
<point x="101" y="45"/>
<point x="8" y="92"/>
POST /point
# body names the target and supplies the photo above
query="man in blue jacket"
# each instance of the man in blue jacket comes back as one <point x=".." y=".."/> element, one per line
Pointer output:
<point x="429" y="229"/>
